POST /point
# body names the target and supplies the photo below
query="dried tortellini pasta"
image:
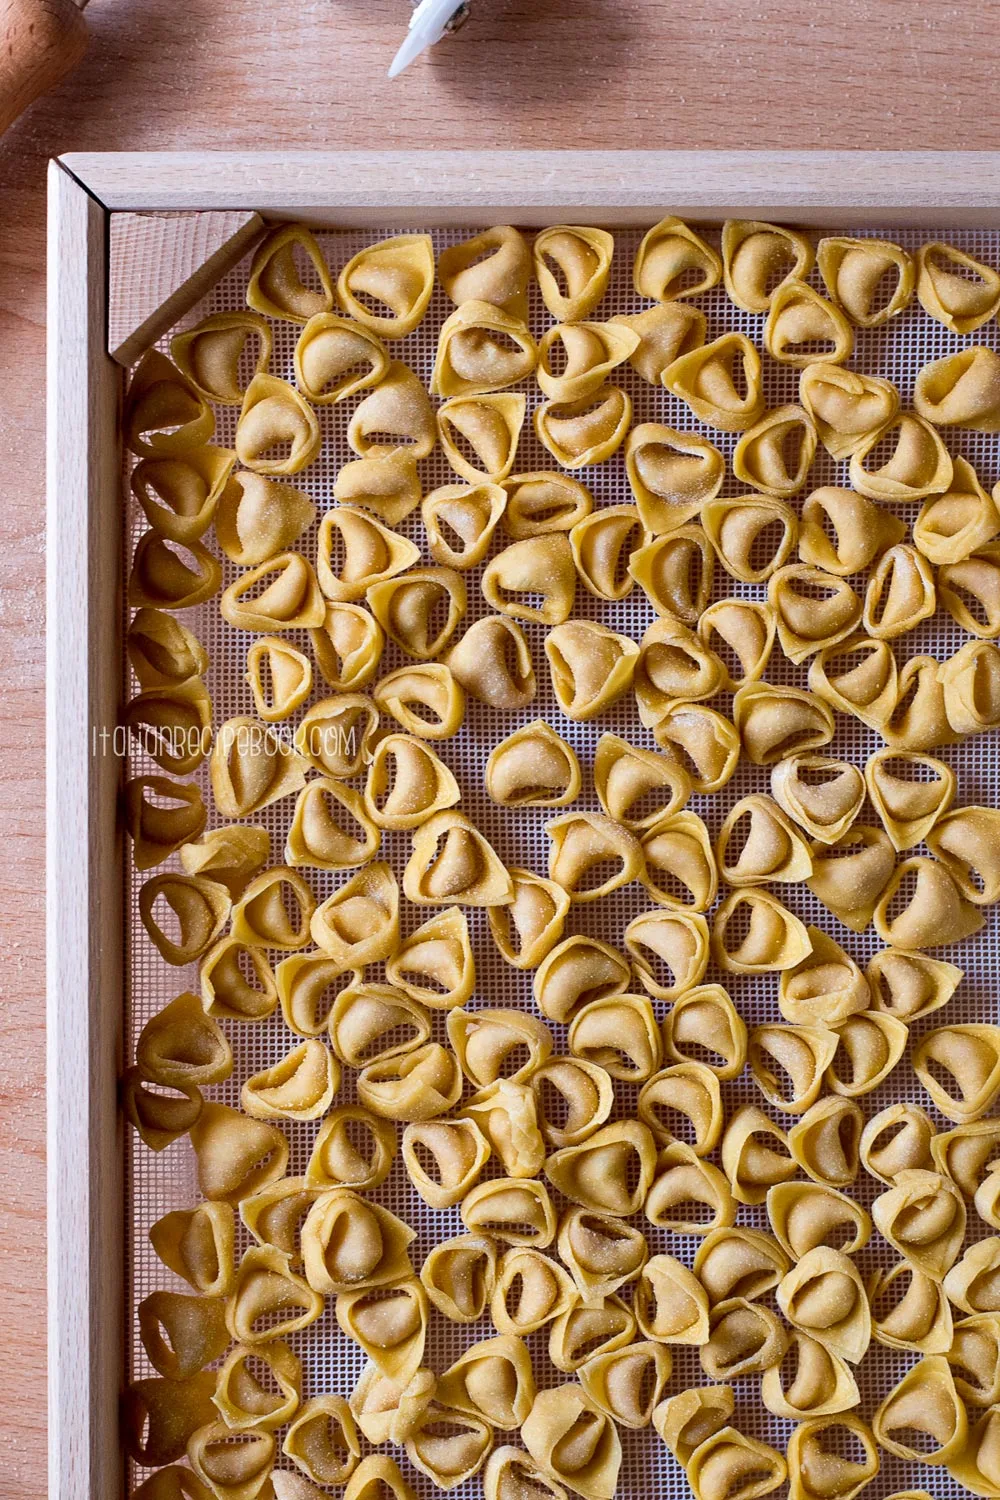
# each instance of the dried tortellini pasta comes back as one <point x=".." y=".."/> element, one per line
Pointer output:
<point x="738" y="1263"/>
<point x="574" y="1441"/>
<point x="924" y="1402"/>
<point x="537" y="569"/>
<point x="587" y="353"/>
<point x="759" y="844"/>
<point x="721" y="382"/>
<point x="627" y="1383"/>
<point x="847" y="407"/>
<point x="620" y="1034"/>
<point x="528" y="929"/>
<point x="389" y="486"/>
<point x="590" y="665"/>
<point x="961" y="390"/>
<point x="460" y="521"/>
<point x="675" y="572"/>
<point x="856" y="273"/>
<point x="776" y="453"/>
<point x="804" y="1215"/>
<point x="672" y="474"/>
<point x="180" y="496"/>
<point x="572" y="264"/>
<point x="755" y="1155"/>
<point x="952" y="526"/>
<point x="901" y="592"/>
<point x="823" y="1295"/>
<point x="826" y="1140"/>
<point x="335" y="358"/>
<point x="916" y="462"/>
<point x="959" y="1066"/>
<point x="752" y="534"/>
<point x="395" y="277"/>
<point x="665" y="332"/>
<point x="729" y="1463"/>
<point x="898" y="1139"/>
<point x="817" y="1383"/>
<point x="802" y="328"/>
<point x="670" y="255"/>
<point x="493" y="662"/>
<point x="583" y="846"/>
<point x="165" y="415"/>
<point x="754" y="934"/>
<point x="172" y="575"/>
<point x="282" y="593"/>
<point x="277" y="432"/>
<point x="389" y="1324"/>
<point x="704" y="1026"/>
<point x="740" y="634"/>
<point x="453" y="863"/>
<point x="956" y="289"/>
<point x="757" y="258"/>
<point x="479" y="434"/>
<point x="494" y="266"/>
<point x="670" y="1302"/>
<point x="586" y="430"/>
<point x="577" y="970"/>
<point x="481" y="348"/>
<point x="602" y="544"/>
<point x="835" y="1455"/>
<point x="775" y="722"/>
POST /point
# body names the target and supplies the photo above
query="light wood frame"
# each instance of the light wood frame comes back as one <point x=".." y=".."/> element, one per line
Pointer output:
<point x="939" y="190"/>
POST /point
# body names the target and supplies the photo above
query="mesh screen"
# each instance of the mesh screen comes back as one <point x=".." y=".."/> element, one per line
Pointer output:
<point x="161" y="1182"/>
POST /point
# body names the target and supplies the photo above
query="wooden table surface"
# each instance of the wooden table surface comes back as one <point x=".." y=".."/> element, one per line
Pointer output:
<point x="159" y="75"/>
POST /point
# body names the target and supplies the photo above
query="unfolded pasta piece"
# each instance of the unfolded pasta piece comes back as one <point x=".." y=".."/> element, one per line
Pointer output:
<point x="531" y="1291"/>
<point x="627" y="1383"/>
<point x="602" y="544"/>
<point x="480" y="434"/>
<point x="481" y="348"/>
<point x="336" y="357"/>
<point x="348" y="1242"/>
<point x="542" y="502"/>
<point x="702" y="741"/>
<point x="353" y="1148"/>
<point x="164" y="414"/>
<point x="665" y="332"/>
<point x="236" y="1466"/>
<point x="418" y="1085"/>
<point x="824" y="1296"/>
<point x="182" y="1047"/>
<point x="826" y="1140"/>
<point x="871" y="281"/>
<point x="956" y="289"/>
<point x="386" y="286"/>
<point x="967" y="1154"/>
<point x="964" y="840"/>
<point x="847" y="407"/>
<point x="959" y="1066"/>
<point x="280" y="594"/>
<point x="584" y="431"/>
<point x="973" y="1283"/>
<point x="181" y="1334"/>
<point x="859" y="677"/>
<point x="809" y="1381"/>
<point x="923" y="1217"/>
<point x="493" y="266"/>
<point x="528" y="929"/>
<point x="197" y="1243"/>
<point x="759" y="844"/>
<point x="389" y="1324"/>
<point x="587" y="354"/>
<point x="740" y="633"/>
<point x="300" y="1086"/>
<point x="183" y="914"/>
<point x="910" y="793"/>
<point x="922" y="907"/>
<point x="900" y="593"/>
<point x="426" y="699"/>
<point x="813" y="609"/>
<point x="683" y="1102"/>
<point x="395" y="417"/>
<point x="278" y="431"/>
<point x="827" y="1456"/>
<point x="962" y="521"/>
<point x="639" y="788"/>
<point x="180" y="496"/>
<point x="673" y="261"/>
<point x="348" y="646"/>
<point x="804" y="329"/>
<point x="689" y="1195"/>
<point x="914" y="462"/>
<point x="574" y="1442"/>
<point x="825" y="987"/>
<point x="755" y="1155"/>
<point x="359" y="923"/>
<point x="669" y="950"/>
<point x="371" y="1020"/>
<point x="459" y="1275"/>
<point x="356" y="552"/>
<point x="974" y="1358"/>
<point x="923" y="1418"/>
<point x="598" y="1327"/>
<point x="322" y="1440"/>
<point x="534" y="579"/>
<point x="161" y="814"/>
<point x="672" y="474"/>
<point x="335" y="734"/>
<point x="492" y="1379"/>
<point x="720" y="382"/>
<point x="729" y="1464"/>
<point x="517" y="1211"/>
<point x="753" y="933"/>
<point x="591" y="855"/>
<point x="494" y="1044"/>
<point x="451" y="862"/>
<point x="260" y="1386"/>
<point x="507" y="1115"/>
<point x="492" y="661"/>
<point x="377" y="1477"/>
<point x="788" y="1063"/>
<point x="804" y="1215"/>
<point x="821" y="794"/>
<point x="460" y="521"/>
<point x="675" y="572"/>
<point x="752" y="534"/>
<point x="388" y="486"/>
<point x="591" y="666"/>
<point x="330" y="828"/>
<point x="898" y="1139"/>
<point x="970" y="681"/>
<point x="680" y="868"/>
<point x="434" y="964"/>
<point x="610" y="1172"/>
<point x="572" y="264"/>
<point x="704" y="1026"/>
<point x="671" y="1304"/>
<point x="600" y="1251"/>
<point x="757" y="258"/>
<point x="279" y="677"/>
<point x="162" y="651"/>
<point x="738" y="1264"/>
<point x="774" y="722"/>
<point x="172" y="575"/>
<point x="578" y="970"/>
<point x="961" y="390"/>
<point x="910" y="1310"/>
<point x="776" y="453"/>
<point x="407" y="783"/>
<point x="745" y="1338"/>
<point x="851" y="873"/>
<point x="444" y="1159"/>
<point x="277" y="285"/>
<point x="689" y="1418"/>
<point x="620" y="1034"/>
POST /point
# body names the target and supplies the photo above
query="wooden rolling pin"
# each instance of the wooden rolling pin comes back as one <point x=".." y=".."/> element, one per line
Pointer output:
<point x="40" y="41"/>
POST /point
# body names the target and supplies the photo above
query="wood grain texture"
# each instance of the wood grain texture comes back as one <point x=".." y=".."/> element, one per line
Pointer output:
<point x="251" y="74"/>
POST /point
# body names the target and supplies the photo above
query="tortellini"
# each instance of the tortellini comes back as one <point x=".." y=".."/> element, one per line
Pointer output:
<point x="803" y="329"/>
<point x="395" y="277"/>
<point x="775" y="454"/>
<point x="758" y="258"/>
<point x="582" y="259"/>
<point x="721" y="382"/>
<point x="669" y="255"/>
<point x="956" y="289"/>
<point x="481" y="348"/>
<point x="823" y="1296"/>
<point x="586" y="430"/>
<point x="672" y="475"/>
<point x="574" y="1441"/>
<point x="847" y="407"/>
<point x="855" y="273"/>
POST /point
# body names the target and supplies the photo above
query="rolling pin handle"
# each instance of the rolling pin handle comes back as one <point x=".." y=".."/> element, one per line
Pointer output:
<point x="40" y="41"/>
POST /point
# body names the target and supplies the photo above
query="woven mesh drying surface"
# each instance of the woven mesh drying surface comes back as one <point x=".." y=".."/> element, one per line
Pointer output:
<point x="157" y="1183"/>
